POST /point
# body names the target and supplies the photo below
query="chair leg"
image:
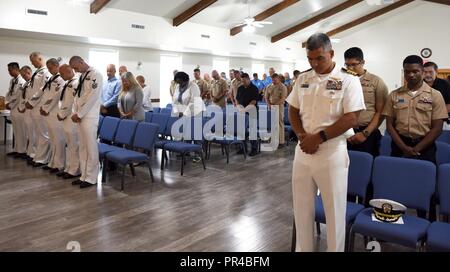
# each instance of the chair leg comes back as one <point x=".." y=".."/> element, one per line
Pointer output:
<point x="227" y="151"/>
<point x="123" y="176"/>
<point x="203" y="160"/>
<point x="150" y="170"/>
<point x="162" y="158"/>
<point x="104" y="169"/>
<point x="318" y="228"/>
<point x="244" y="148"/>
<point x="182" y="163"/>
<point x="351" y="239"/>
<point x="294" y="237"/>
<point x="209" y="150"/>
<point x="133" y="173"/>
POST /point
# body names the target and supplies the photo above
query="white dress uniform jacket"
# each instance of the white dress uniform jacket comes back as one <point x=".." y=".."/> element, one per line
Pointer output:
<point x="13" y="98"/>
<point x="87" y="106"/>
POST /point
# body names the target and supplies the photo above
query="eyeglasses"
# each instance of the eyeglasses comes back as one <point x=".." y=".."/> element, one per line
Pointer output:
<point x="352" y="64"/>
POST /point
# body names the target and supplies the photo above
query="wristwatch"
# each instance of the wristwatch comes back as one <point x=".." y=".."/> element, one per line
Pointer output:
<point x="366" y="133"/>
<point x="323" y="136"/>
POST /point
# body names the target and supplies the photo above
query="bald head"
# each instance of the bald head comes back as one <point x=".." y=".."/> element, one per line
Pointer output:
<point x="141" y="80"/>
<point x="215" y="74"/>
<point x="37" y="60"/>
<point x="111" y="71"/>
<point x="122" y="70"/>
<point x="66" y="72"/>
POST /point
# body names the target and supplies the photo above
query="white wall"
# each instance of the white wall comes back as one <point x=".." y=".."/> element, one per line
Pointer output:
<point x="394" y="36"/>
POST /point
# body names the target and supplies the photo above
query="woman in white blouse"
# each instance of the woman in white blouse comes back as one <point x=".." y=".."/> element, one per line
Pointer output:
<point x="186" y="98"/>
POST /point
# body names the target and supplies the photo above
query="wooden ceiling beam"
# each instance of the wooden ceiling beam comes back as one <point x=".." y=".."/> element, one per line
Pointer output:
<point x="315" y="19"/>
<point x="97" y="5"/>
<point x="192" y="11"/>
<point x="366" y="18"/>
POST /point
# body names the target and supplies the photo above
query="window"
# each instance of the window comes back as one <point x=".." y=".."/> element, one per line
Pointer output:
<point x="99" y="59"/>
<point x="287" y="68"/>
<point x="221" y="65"/>
<point x="259" y="69"/>
<point x="168" y="64"/>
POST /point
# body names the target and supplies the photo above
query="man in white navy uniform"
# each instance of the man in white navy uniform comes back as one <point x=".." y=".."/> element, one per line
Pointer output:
<point x="323" y="108"/>
<point x="86" y="114"/>
<point x="49" y="110"/>
<point x="26" y="94"/>
<point x="38" y="80"/>
<point x="13" y="98"/>
<point x="66" y="99"/>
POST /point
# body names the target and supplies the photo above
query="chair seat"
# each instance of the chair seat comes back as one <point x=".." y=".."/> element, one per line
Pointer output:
<point x="161" y="143"/>
<point x="103" y="149"/>
<point x="413" y="230"/>
<point x="352" y="211"/>
<point x="438" y="237"/>
<point x="181" y="147"/>
<point x="228" y="140"/>
<point x="126" y="156"/>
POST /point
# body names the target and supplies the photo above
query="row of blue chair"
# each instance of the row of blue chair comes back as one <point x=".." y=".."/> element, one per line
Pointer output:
<point x="411" y="182"/>
<point x="442" y="154"/>
<point x="125" y="142"/>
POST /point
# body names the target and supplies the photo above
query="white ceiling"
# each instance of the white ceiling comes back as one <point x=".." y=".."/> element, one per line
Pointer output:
<point x="228" y="13"/>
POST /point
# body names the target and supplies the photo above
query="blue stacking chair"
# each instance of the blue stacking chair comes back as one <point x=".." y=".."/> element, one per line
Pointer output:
<point x="444" y="137"/>
<point x="443" y="153"/>
<point x="239" y="133"/>
<point x="169" y="105"/>
<point x="144" y="139"/>
<point x="166" y="138"/>
<point x="122" y="138"/>
<point x="108" y="128"/>
<point x="161" y="120"/>
<point x="188" y="144"/>
<point x="410" y="182"/>
<point x="167" y="111"/>
<point x="156" y="109"/>
<point x="438" y="234"/>
<point x="100" y="122"/>
<point x="385" y="145"/>
<point x="148" y="116"/>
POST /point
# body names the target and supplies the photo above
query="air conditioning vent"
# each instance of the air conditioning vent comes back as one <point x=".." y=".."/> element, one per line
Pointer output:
<point x="138" y="26"/>
<point x="37" y="12"/>
<point x="252" y="43"/>
<point x="205" y="36"/>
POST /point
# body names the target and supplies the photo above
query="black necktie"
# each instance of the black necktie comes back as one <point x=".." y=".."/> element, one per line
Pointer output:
<point x="24" y="89"/>
<point x="49" y="82"/>
<point x="80" y="83"/>
<point x="64" y="89"/>
<point x="34" y="75"/>
<point x="11" y="88"/>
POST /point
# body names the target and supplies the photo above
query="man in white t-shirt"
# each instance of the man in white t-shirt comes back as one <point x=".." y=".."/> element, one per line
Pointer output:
<point x="147" y="101"/>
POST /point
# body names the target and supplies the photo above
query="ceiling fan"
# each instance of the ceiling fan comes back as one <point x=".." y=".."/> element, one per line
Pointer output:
<point x="250" y="24"/>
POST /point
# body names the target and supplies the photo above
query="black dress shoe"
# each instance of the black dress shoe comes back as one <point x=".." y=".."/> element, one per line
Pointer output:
<point x="77" y="182"/>
<point x="38" y="164"/>
<point x="30" y="162"/>
<point x="60" y="174"/>
<point x="69" y="176"/>
<point x="54" y="170"/>
<point x="11" y="153"/>
<point x="85" y="184"/>
<point x="20" y="155"/>
<point x="46" y="168"/>
<point x="253" y="153"/>
<point x="29" y="158"/>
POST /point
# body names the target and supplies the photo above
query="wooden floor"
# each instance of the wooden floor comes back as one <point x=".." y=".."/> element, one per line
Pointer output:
<point x="242" y="206"/>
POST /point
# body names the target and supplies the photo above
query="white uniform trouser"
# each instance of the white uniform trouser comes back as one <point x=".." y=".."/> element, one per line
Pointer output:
<point x="57" y="142"/>
<point x="31" y="148"/>
<point x="72" y="155"/>
<point x="41" y="134"/>
<point x="327" y="170"/>
<point x="89" y="159"/>
<point x="20" y="131"/>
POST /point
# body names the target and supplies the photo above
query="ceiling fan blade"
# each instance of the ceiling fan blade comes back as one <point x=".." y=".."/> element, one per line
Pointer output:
<point x="257" y="25"/>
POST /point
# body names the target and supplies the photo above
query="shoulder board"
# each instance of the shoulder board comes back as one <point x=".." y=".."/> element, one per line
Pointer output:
<point x="350" y="72"/>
